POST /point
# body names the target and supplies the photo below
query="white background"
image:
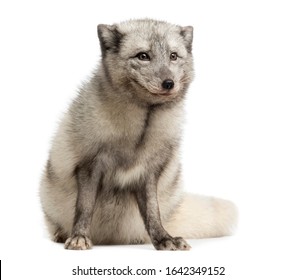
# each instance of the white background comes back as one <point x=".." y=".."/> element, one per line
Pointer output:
<point x="239" y="140"/>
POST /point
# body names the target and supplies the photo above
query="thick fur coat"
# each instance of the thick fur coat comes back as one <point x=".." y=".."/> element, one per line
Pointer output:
<point x="113" y="175"/>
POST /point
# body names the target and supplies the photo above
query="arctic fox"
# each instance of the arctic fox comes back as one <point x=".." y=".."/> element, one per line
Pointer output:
<point x="113" y="175"/>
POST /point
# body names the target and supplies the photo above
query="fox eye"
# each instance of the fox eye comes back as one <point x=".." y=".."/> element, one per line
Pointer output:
<point x="143" y="56"/>
<point x="173" y="56"/>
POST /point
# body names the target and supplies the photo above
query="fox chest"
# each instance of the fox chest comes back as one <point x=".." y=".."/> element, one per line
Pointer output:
<point x="139" y="145"/>
<point x="135" y="163"/>
<point x="146" y="155"/>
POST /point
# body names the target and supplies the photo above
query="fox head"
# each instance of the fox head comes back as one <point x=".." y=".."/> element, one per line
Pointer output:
<point x="151" y="59"/>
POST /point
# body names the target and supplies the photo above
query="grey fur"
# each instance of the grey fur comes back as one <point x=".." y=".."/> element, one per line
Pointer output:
<point x="113" y="173"/>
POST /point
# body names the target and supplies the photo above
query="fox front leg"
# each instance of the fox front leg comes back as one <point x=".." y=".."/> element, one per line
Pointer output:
<point x="149" y="209"/>
<point x="88" y="181"/>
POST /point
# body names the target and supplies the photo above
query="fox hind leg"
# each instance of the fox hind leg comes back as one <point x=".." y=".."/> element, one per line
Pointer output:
<point x="55" y="231"/>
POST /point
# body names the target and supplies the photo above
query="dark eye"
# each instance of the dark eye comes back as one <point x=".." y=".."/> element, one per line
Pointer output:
<point x="143" y="56"/>
<point x="173" y="56"/>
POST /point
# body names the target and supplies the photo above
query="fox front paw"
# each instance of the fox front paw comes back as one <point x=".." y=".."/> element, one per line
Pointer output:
<point x="78" y="242"/>
<point x="172" y="244"/>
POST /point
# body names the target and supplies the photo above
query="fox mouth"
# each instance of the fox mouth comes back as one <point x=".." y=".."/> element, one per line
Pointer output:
<point x="162" y="93"/>
<point x="154" y="90"/>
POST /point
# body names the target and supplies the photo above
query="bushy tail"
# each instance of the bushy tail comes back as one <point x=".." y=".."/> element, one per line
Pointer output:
<point x="203" y="217"/>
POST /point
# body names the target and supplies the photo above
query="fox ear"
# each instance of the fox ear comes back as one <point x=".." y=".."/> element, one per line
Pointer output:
<point x="109" y="38"/>
<point x="187" y="34"/>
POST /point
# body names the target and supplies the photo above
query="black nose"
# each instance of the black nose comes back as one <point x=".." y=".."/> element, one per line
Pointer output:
<point x="168" y="84"/>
